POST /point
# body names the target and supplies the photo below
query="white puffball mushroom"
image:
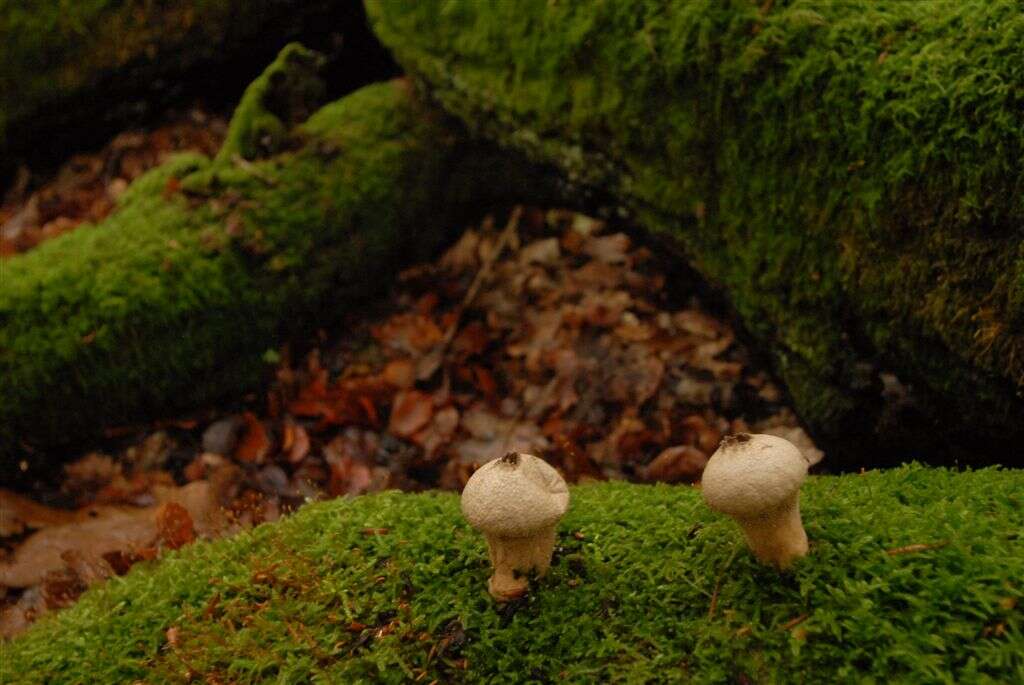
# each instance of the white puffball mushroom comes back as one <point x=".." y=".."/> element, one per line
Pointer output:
<point x="516" y="502"/>
<point x="756" y="480"/>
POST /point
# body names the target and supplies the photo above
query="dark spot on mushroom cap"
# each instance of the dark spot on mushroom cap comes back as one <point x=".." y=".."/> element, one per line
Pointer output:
<point x="512" y="458"/>
<point x="737" y="439"/>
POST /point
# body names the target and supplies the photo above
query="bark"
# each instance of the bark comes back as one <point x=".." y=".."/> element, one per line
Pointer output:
<point x="173" y="301"/>
<point x="847" y="173"/>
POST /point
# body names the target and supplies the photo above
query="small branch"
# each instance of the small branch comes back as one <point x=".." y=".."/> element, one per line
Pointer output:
<point x="429" y="364"/>
<point x="794" y="622"/>
<point x="718" y="584"/>
<point x="911" y="549"/>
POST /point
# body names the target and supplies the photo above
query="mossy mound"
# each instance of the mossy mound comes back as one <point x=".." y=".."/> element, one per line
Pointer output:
<point x="915" y="575"/>
<point x="848" y="171"/>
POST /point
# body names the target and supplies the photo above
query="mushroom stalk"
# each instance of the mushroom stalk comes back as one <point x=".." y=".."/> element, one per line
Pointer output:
<point x="777" y="537"/>
<point x="514" y="558"/>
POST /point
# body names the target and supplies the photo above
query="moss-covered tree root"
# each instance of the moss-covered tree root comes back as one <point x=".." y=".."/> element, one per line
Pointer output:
<point x="848" y="171"/>
<point x="915" y="575"/>
<point x="70" y="72"/>
<point x="206" y="265"/>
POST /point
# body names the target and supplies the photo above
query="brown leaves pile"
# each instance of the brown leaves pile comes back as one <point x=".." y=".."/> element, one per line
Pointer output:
<point x="553" y="336"/>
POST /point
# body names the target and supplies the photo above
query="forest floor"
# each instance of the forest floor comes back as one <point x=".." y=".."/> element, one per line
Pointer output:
<point x="540" y="331"/>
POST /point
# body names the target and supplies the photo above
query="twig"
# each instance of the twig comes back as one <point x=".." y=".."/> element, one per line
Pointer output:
<point x="911" y="549"/>
<point x="718" y="584"/>
<point x="429" y="364"/>
<point x="794" y="622"/>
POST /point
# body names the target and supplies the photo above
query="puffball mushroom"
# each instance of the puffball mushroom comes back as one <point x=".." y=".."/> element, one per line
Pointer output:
<point x="756" y="480"/>
<point x="516" y="501"/>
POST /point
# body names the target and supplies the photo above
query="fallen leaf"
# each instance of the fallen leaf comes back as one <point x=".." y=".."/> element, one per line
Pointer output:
<point x="411" y="333"/>
<point x="174" y="525"/>
<point x="400" y="373"/>
<point x="438" y="432"/>
<point x="112" y="529"/>
<point x="89" y="570"/>
<point x="676" y="464"/>
<point x="300" y="445"/>
<point x="701" y="433"/>
<point x="18" y="513"/>
<point x="411" y="411"/>
<point x="462" y="256"/>
<point x="255" y="443"/>
<point x="472" y="339"/>
<point x="89" y="473"/>
<point x="349" y="477"/>
<point x="611" y="249"/>
<point x="493" y="436"/>
<point x="544" y="251"/>
<point x="41" y="553"/>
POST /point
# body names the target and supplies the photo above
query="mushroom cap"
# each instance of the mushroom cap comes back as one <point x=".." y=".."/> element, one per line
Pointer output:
<point x="753" y="473"/>
<point x="514" y="496"/>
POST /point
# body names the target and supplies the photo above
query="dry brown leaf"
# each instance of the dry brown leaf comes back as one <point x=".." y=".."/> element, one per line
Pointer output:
<point x="410" y="333"/>
<point x="472" y="339"/>
<point x="544" y="251"/>
<point x="493" y="435"/>
<point x="174" y="525"/>
<point x="41" y="553"/>
<point x="703" y="435"/>
<point x="18" y="513"/>
<point x="400" y="373"/>
<point x="605" y="309"/>
<point x="610" y="249"/>
<point x="349" y="477"/>
<point x="696" y="322"/>
<point x="438" y="432"/>
<point x="462" y="256"/>
<point x="300" y="445"/>
<point x="255" y="444"/>
<point x="411" y="411"/>
<point x="676" y="464"/>
<point x="92" y="471"/>
<point x="112" y="529"/>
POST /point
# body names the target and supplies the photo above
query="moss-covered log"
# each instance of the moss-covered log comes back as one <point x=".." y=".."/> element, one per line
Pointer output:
<point x="70" y="72"/>
<point x="914" y="575"/>
<point x="206" y="265"/>
<point x="848" y="171"/>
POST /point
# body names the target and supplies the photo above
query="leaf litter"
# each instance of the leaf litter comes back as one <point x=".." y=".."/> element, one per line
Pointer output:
<point x="555" y="335"/>
<point x="87" y="187"/>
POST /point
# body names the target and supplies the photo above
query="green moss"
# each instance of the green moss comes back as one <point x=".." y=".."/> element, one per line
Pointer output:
<point x="69" y="70"/>
<point x="847" y="170"/>
<point x="647" y="586"/>
<point x="285" y="94"/>
<point x="172" y="302"/>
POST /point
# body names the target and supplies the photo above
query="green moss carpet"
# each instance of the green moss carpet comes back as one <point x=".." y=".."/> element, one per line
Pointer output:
<point x="915" y="575"/>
